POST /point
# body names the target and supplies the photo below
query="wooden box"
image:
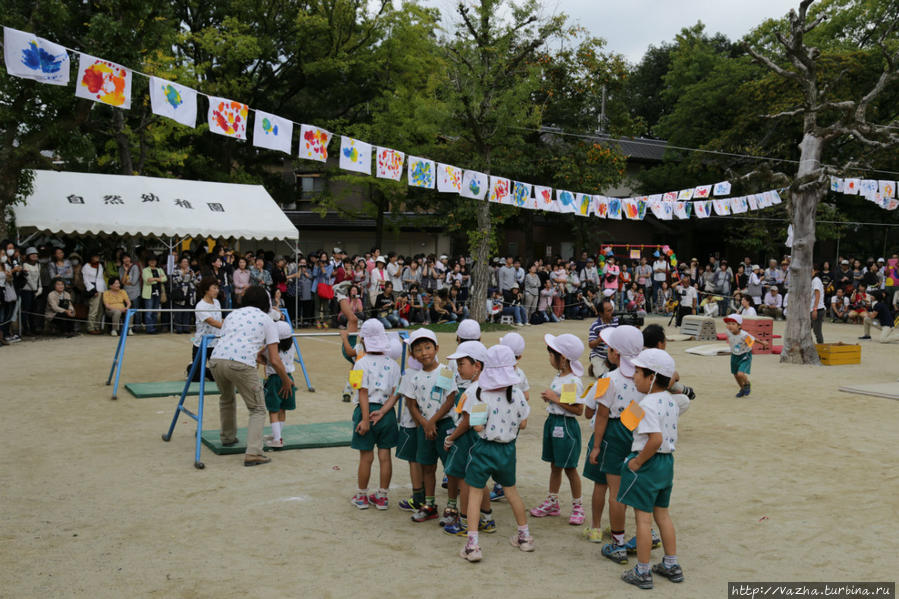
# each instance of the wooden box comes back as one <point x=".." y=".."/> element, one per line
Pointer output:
<point x="832" y="354"/>
<point x="762" y="328"/>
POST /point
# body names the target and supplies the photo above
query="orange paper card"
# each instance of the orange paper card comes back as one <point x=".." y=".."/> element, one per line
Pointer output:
<point x="569" y="393"/>
<point x="632" y="415"/>
<point x="356" y="379"/>
<point x="461" y="404"/>
<point x="602" y="385"/>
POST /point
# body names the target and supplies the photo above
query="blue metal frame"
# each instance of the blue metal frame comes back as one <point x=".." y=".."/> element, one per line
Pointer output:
<point x="299" y="357"/>
<point x="119" y="359"/>
<point x="199" y="362"/>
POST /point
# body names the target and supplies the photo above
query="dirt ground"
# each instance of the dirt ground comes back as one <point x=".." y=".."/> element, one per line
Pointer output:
<point x="797" y="482"/>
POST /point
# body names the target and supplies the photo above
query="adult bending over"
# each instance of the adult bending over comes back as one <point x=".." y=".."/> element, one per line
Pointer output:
<point x="246" y="332"/>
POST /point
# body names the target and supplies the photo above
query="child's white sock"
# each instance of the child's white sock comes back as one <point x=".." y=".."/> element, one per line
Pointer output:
<point x="276" y="431"/>
<point x="618" y="537"/>
<point x="553" y="497"/>
<point x="362" y="492"/>
<point x="576" y="501"/>
<point x="642" y="568"/>
<point x="472" y="539"/>
<point x="669" y="560"/>
<point x="382" y="492"/>
<point x="523" y="532"/>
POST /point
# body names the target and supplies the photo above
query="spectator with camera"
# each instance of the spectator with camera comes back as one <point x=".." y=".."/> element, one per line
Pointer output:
<point x="184" y="294"/>
<point x="687" y="299"/>
<point x="599" y="364"/>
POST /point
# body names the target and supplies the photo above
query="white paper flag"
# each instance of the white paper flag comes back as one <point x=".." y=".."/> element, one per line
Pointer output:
<point x="421" y="172"/>
<point x="685" y="194"/>
<point x="566" y="201"/>
<point x="272" y="132"/>
<point x="682" y="209"/>
<point x="500" y="190"/>
<point x="228" y="117"/>
<point x="355" y="155"/>
<point x="449" y="178"/>
<point x="584" y="203"/>
<point x="601" y="206"/>
<point x="314" y="143"/>
<point x="103" y="81"/>
<point x="33" y="57"/>
<point x="774" y="197"/>
<point x="887" y="188"/>
<point x="836" y="184"/>
<point x="851" y="186"/>
<point x="521" y="195"/>
<point x="173" y="101"/>
<point x="702" y="209"/>
<point x="752" y="201"/>
<point x="544" y="198"/>
<point x="702" y="192"/>
<point x="722" y="207"/>
<point x="474" y="185"/>
<point x="615" y="208"/>
<point x="722" y="188"/>
<point x="389" y="163"/>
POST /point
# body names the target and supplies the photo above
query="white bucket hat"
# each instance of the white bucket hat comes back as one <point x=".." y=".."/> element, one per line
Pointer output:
<point x="656" y="360"/>
<point x="470" y="349"/>
<point x="374" y="337"/>
<point x="469" y="330"/>
<point x="499" y="371"/>
<point x="284" y="329"/>
<point x="570" y="347"/>
<point x="513" y="341"/>
<point x="627" y="341"/>
<point x="421" y="334"/>
<point x="396" y="346"/>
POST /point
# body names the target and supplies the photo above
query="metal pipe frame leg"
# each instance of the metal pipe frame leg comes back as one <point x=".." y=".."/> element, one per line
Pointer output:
<point x="299" y="359"/>
<point x="198" y="363"/>
<point x="119" y="360"/>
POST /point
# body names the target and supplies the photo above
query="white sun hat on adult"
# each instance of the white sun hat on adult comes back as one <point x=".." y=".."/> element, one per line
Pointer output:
<point x="656" y="360"/>
<point x="469" y="330"/>
<point x="470" y="349"/>
<point x="374" y="336"/>
<point x="570" y="347"/>
<point x="513" y="341"/>
<point x="627" y="341"/>
<point x="499" y="370"/>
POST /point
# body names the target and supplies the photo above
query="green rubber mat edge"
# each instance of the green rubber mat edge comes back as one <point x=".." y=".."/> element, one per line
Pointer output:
<point x="296" y="436"/>
<point x="168" y="389"/>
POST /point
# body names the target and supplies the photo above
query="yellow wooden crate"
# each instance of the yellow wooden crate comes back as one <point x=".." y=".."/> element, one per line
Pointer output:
<point x="832" y="354"/>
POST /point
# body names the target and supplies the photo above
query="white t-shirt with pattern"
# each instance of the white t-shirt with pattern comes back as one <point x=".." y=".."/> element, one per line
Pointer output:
<point x="620" y="393"/>
<point x="556" y="386"/>
<point x="503" y="417"/>
<point x="380" y="376"/>
<point x="244" y="333"/>
<point x="660" y="413"/>
<point x="421" y="386"/>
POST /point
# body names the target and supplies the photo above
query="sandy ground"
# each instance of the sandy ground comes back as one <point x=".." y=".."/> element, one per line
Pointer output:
<point x="800" y="482"/>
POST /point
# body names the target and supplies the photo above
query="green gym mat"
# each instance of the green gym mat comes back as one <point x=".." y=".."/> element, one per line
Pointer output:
<point x="296" y="436"/>
<point x="168" y="388"/>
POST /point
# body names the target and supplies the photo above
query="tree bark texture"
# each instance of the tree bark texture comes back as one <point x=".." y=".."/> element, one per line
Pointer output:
<point x="479" y="276"/>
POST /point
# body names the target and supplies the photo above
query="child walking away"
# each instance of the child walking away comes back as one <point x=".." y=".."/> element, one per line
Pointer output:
<point x="374" y="377"/>
<point x="515" y="342"/>
<point x="741" y="344"/>
<point x="497" y="411"/>
<point x="647" y="475"/>
<point x="274" y="403"/>
<point x="470" y="357"/>
<point x="429" y="394"/>
<point x="561" y="432"/>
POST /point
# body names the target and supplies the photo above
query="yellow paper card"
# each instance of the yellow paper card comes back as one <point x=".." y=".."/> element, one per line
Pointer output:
<point x="356" y="379"/>
<point x="602" y="385"/>
<point x="569" y="393"/>
<point x="632" y="415"/>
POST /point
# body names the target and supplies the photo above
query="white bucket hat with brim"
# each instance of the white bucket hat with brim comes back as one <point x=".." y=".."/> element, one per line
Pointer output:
<point x="421" y="334"/>
<point x="499" y="371"/>
<point x="570" y="347"/>
<point x="470" y="349"/>
<point x="396" y="346"/>
<point x="469" y="330"/>
<point x="374" y="337"/>
<point x="656" y="360"/>
<point x="513" y="341"/>
<point x="627" y="341"/>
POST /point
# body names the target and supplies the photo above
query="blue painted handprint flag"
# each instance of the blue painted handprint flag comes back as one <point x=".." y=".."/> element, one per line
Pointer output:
<point x="272" y="132"/>
<point x="33" y="57"/>
<point x="173" y="101"/>
<point x="355" y="155"/>
<point x="474" y="185"/>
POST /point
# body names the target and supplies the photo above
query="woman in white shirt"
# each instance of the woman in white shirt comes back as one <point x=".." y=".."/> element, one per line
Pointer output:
<point x="209" y="322"/>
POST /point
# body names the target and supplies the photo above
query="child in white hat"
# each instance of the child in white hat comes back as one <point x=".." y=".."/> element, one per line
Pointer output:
<point x="274" y="403"/>
<point x="515" y="342"/>
<point x="497" y="412"/>
<point x="647" y="474"/>
<point x="561" y="431"/>
<point x="741" y="344"/>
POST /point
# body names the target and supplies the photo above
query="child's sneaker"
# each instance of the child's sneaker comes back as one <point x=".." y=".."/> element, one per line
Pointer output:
<point x="632" y="544"/>
<point x="594" y="535"/>
<point x="408" y="505"/>
<point x="643" y="581"/>
<point x="488" y="525"/>
<point x="456" y="528"/>
<point x="471" y="553"/>
<point x="549" y="507"/>
<point x="449" y="516"/>
<point x="360" y="501"/>
<point x="746" y="390"/>
<point x="379" y="501"/>
<point x="577" y="514"/>
<point x="424" y="513"/>
<point x="616" y="553"/>
<point x="672" y="573"/>
<point x="497" y="493"/>
<point x="445" y="482"/>
<point x="741" y="392"/>
<point x="523" y="543"/>
<point x="279" y="444"/>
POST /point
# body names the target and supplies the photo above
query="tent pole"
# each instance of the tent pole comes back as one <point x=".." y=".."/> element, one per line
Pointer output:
<point x="172" y="315"/>
<point x="296" y="297"/>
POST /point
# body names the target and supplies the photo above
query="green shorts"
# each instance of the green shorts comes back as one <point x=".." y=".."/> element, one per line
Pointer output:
<point x="614" y="447"/>
<point x="429" y="450"/>
<point x="384" y="434"/>
<point x="650" y="486"/>
<point x="561" y="441"/>
<point x="592" y="471"/>
<point x="489" y="458"/>
<point x="407" y="443"/>
<point x="741" y="363"/>
<point x="273" y="401"/>
<point x="457" y="457"/>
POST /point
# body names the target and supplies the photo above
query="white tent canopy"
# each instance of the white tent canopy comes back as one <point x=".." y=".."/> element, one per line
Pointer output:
<point x="87" y="203"/>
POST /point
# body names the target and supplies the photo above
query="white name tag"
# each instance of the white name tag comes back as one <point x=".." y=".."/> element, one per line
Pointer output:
<point x="558" y="432"/>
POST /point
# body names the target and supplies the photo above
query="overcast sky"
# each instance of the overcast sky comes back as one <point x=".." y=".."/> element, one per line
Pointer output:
<point x="631" y="26"/>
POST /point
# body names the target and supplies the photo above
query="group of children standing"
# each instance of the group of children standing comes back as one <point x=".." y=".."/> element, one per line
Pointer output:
<point x="467" y="413"/>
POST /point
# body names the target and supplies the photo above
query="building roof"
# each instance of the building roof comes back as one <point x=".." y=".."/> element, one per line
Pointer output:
<point x="307" y="219"/>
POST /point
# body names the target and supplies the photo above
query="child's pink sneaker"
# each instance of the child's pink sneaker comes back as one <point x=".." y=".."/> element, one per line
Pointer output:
<point x="360" y="500"/>
<point x="549" y="507"/>
<point x="379" y="501"/>
<point x="577" y="514"/>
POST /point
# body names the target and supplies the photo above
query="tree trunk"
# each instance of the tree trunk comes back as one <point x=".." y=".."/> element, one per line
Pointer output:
<point x="379" y="216"/>
<point x="799" y="347"/>
<point x="482" y="237"/>
<point x="124" y="145"/>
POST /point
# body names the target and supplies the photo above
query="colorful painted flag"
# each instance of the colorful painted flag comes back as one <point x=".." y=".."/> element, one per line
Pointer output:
<point x="631" y="210"/>
<point x="851" y="186"/>
<point x="836" y="184"/>
<point x="173" y="101"/>
<point x="702" y="192"/>
<point x="521" y="194"/>
<point x="584" y="202"/>
<point x="272" y="132"/>
<point x="449" y="178"/>
<point x="887" y="188"/>
<point x="670" y="195"/>
<point x="703" y="209"/>
<point x="355" y="155"/>
<point x="682" y="209"/>
<point x="474" y="185"/>
<point x="722" y="188"/>
<point x="314" y="143"/>
<point x="892" y="204"/>
<point x="33" y="57"/>
<point x="753" y="202"/>
<point x="656" y="198"/>
<point x="722" y="207"/>
<point x="228" y="117"/>
<point x="601" y="206"/>
<point x="656" y="209"/>
<point x="389" y="163"/>
<point x="500" y="190"/>
<point x="544" y="197"/>
<point x="739" y="205"/>
<point x="685" y="194"/>
<point x="103" y="81"/>
<point x="774" y="197"/>
<point x="868" y="186"/>
<point x="566" y="201"/>
<point x="421" y="172"/>
<point x="615" y="208"/>
<point x="641" y="208"/>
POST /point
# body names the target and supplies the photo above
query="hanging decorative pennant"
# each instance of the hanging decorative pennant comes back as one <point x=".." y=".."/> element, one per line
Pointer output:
<point x="615" y="208"/>
<point x="722" y="207"/>
<point x="544" y="196"/>
<point x="389" y="163"/>
<point x="521" y="194"/>
<point x="314" y="143"/>
<point x="656" y="198"/>
<point x="272" y="132"/>
<point x="892" y="204"/>
<point x="631" y="210"/>
<point x="682" y="209"/>
<point x="103" y="81"/>
<point x="887" y="188"/>
<point x="753" y="203"/>
<point x="566" y="201"/>
<point x="703" y="209"/>
<point x="641" y="208"/>
<point x="851" y="186"/>
<point x="739" y="205"/>
<point x="449" y="178"/>
<point x="774" y="197"/>
<point x="421" y="172"/>
<point x="584" y="203"/>
<point x="228" y="117"/>
<point x="173" y="101"/>
<point x="685" y="194"/>
<point x="355" y="155"/>
<point x="702" y="192"/>
<point x="722" y="188"/>
<point x="657" y="210"/>
<point x="32" y="57"/>
<point x="601" y="206"/>
<point x="670" y="195"/>
<point x="836" y="184"/>
<point x="474" y="185"/>
<point x="867" y="187"/>
<point x="500" y="190"/>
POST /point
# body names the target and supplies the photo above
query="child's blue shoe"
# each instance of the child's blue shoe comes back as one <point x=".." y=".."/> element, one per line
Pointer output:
<point x="408" y="505"/>
<point x="631" y="545"/>
<point x="497" y="493"/>
<point x="488" y="526"/>
<point x="616" y="553"/>
<point x="445" y="482"/>
<point x="457" y="528"/>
